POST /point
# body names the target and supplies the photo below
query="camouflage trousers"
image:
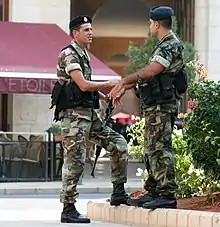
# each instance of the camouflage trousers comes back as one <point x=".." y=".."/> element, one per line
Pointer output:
<point x="76" y="131"/>
<point x="158" y="154"/>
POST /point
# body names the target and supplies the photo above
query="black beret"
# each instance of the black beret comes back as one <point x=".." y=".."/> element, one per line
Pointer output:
<point x="79" y="20"/>
<point x="160" y="12"/>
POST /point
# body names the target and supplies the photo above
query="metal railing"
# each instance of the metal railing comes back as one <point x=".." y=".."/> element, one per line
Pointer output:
<point x="26" y="156"/>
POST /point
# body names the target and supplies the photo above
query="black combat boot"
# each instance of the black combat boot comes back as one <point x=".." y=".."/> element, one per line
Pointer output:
<point x="162" y="201"/>
<point x="71" y="215"/>
<point x="140" y="198"/>
<point x="119" y="195"/>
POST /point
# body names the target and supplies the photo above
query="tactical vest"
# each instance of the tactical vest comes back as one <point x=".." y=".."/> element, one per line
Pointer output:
<point x="69" y="95"/>
<point x="163" y="88"/>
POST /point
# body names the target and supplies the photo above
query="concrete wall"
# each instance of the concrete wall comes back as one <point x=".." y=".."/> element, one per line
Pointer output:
<point x="121" y="21"/>
<point x="207" y="32"/>
<point x="31" y="112"/>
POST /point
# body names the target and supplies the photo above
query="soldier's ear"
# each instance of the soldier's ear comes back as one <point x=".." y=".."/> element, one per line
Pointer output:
<point x="157" y="24"/>
<point x="75" y="32"/>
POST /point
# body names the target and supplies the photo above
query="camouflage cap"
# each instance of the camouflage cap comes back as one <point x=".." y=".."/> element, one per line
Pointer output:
<point x="79" y="20"/>
<point x="160" y="12"/>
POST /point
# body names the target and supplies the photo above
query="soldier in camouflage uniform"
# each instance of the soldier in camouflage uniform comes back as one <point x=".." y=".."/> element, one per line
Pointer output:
<point x="81" y="124"/>
<point x="159" y="101"/>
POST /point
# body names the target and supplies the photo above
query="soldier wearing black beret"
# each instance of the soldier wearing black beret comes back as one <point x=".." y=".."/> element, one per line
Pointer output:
<point x="161" y="83"/>
<point x="79" y="20"/>
<point x="76" y="103"/>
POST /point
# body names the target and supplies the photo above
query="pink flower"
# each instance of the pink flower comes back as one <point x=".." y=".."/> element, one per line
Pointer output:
<point x="204" y="77"/>
<point x="191" y="104"/>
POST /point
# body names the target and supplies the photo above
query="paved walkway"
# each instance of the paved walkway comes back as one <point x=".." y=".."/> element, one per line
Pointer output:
<point x="40" y="212"/>
<point x="90" y="187"/>
<point x="54" y="224"/>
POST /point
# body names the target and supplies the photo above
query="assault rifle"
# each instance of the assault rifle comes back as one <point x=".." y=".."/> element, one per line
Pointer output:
<point x="108" y="114"/>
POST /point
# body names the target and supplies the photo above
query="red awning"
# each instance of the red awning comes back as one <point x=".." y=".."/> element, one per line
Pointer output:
<point x="28" y="58"/>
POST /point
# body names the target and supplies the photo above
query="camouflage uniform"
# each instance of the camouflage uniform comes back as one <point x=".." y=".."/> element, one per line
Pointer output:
<point x="80" y="125"/>
<point x="159" y="122"/>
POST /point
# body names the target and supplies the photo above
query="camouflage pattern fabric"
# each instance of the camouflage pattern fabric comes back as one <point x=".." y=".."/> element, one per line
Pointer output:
<point x="158" y="154"/>
<point x="90" y="150"/>
<point x="81" y="126"/>
<point x="169" y="53"/>
<point x="159" y="122"/>
<point x="76" y="130"/>
<point x="68" y="60"/>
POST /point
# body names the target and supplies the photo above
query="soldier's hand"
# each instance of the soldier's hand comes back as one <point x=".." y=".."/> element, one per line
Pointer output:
<point x="116" y="102"/>
<point x="116" y="97"/>
<point x="116" y="90"/>
<point x="112" y="83"/>
<point x="106" y="99"/>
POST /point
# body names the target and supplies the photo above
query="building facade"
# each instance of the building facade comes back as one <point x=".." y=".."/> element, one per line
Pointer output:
<point x="114" y="26"/>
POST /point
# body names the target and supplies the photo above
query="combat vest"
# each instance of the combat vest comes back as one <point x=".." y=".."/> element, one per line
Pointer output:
<point x="164" y="87"/>
<point x="70" y="96"/>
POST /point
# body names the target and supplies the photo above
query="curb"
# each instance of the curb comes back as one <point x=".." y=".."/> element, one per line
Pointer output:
<point x="158" y="218"/>
<point x="43" y="191"/>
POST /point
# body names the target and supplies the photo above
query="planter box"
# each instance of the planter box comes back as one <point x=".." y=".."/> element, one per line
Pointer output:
<point x="57" y="137"/>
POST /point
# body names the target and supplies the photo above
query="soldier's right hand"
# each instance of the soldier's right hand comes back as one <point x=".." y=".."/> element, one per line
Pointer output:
<point x="116" y="102"/>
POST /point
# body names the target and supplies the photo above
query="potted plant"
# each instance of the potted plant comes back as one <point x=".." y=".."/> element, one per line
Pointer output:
<point x="56" y="131"/>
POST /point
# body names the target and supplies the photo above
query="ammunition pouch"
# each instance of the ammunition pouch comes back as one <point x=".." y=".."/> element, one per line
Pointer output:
<point x="96" y="98"/>
<point x="167" y="88"/>
<point x="69" y="95"/>
<point x="181" y="82"/>
<point x="157" y="90"/>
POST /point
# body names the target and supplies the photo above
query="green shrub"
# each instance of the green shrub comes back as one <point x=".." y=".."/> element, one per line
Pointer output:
<point x="189" y="179"/>
<point x="203" y="123"/>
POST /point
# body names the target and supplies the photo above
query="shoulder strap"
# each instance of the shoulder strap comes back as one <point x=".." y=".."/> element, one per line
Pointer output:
<point x="80" y="59"/>
<point x="159" y="43"/>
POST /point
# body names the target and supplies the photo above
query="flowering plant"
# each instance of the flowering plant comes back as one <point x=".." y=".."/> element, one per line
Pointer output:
<point x="189" y="179"/>
<point x="136" y="132"/>
<point x="202" y="131"/>
<point x="143" y="174"/>
<point x="197" y="77"/>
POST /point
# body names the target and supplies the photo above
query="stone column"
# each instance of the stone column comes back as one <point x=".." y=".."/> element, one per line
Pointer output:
<point x="35" y="116"/>
<point x="207" y="35"/>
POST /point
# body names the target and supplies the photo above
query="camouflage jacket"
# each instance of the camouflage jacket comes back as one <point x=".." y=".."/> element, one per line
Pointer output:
<point x="169" y="53"/>
<point x="68" y="60"/>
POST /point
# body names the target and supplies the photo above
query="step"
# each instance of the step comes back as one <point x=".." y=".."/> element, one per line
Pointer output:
<point x="102" y="211"/>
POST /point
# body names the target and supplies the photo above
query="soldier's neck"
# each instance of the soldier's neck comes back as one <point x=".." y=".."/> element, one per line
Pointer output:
<point x="81" y="45"/>
<point x="162" y="33"/>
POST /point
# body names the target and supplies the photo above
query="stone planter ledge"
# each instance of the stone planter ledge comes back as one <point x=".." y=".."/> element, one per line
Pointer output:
<point x="140" y="217"/>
